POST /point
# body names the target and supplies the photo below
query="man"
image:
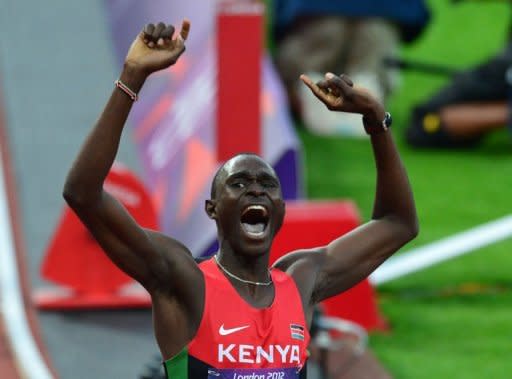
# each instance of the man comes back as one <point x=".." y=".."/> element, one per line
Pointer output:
<point x="231" y="316"/>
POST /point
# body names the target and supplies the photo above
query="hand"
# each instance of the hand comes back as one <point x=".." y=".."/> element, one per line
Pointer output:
<point x="339" y="94"/>
<point x="155" y="48"/>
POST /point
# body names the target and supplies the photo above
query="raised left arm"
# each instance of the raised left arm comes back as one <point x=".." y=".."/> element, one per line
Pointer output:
<point x="352" y="257"/>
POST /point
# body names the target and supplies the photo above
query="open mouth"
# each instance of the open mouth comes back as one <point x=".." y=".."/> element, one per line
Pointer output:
<point x="254" y="220"/>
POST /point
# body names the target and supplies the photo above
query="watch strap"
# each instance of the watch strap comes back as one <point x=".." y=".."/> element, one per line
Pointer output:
<point x="372" y="127"/>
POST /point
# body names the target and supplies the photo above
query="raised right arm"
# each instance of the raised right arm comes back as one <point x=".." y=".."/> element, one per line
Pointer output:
<point x="156" y="261"/>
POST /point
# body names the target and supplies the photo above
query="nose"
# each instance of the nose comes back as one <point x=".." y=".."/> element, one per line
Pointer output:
<point x="256" y="189"/>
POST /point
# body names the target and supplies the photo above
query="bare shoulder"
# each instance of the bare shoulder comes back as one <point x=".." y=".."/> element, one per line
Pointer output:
<point x="168" y="244"/>
<point x="304" y="257"/>
<point x="303" y="266"/>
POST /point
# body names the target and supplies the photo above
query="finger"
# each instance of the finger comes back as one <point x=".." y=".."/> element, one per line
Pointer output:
<point x="337" y="84"/>
<point x="323" y="85"/>
<point x="168" y="32"/>
<point x="142" y="36"/>
<point x="185" y="30"/>
<point x="330" y="86"/>
<point x="148" y="31"/>
<point x="158" y="30"/>
<point x="319" y="93"/>
<point x="307" y="80"/>
<point x="347" y="80"/>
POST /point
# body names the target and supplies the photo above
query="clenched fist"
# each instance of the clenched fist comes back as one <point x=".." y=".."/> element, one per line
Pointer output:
<point x="156" y="48"/>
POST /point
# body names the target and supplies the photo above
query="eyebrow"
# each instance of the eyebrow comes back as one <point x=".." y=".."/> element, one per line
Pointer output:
<point x="247" y="174"/>
<point x="240" y="174"/>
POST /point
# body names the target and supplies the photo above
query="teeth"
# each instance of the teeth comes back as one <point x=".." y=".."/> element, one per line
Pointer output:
<point x="256" y="207"/>
<point x="255" y="229"/>
<point x="254" y="224"/>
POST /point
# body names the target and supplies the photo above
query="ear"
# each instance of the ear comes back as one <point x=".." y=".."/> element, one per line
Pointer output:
<point x="209" y="207"/>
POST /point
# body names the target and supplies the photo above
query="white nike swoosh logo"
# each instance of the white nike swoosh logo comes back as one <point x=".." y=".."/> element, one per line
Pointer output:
<point x="225" y="332"/>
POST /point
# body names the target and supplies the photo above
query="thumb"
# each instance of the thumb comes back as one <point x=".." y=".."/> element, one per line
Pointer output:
<point x="185" y="30"/>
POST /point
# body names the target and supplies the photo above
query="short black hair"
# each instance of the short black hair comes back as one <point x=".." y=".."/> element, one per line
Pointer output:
<point x="222" y="169"/>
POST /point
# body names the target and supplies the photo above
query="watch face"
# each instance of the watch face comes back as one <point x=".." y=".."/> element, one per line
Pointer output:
<point x="387" y="120"/>
<point x="371" y="128"/>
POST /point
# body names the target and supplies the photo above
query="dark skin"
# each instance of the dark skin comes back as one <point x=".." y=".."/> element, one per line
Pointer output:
<point x="166" y="268"/>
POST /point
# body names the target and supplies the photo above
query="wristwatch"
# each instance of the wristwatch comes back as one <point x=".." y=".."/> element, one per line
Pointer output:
<point x="371" y="127"/>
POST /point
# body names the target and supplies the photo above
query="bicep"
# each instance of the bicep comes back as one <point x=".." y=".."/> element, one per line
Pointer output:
<point x="352" y="257"/>
<point x="132" y="248"/>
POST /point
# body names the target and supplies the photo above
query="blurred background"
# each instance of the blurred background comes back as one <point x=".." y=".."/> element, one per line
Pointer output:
<point x="58" y="61"/>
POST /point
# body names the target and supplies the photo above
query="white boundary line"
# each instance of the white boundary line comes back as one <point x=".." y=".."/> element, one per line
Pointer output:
<point x="28" y="357"/>
<point x="442" y="250"/>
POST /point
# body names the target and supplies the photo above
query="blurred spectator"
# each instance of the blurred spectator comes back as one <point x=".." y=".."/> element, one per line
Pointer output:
<point x="341" y="36"/>
<point x="471" y="105"/>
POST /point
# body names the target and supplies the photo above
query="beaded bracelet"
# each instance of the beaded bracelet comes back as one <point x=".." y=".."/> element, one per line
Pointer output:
<point x="123" y="87"/>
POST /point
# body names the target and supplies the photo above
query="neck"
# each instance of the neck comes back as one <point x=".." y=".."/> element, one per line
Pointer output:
<point x="253" y="268"/>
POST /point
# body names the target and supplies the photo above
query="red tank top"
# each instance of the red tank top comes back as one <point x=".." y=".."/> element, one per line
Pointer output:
<point x="237" y="341"/>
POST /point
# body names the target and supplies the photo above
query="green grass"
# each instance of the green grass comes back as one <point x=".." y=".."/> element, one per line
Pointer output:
<point x="453" y="320"/>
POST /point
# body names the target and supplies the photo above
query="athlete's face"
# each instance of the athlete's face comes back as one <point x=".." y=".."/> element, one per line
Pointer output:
<point x="248" y="205"/>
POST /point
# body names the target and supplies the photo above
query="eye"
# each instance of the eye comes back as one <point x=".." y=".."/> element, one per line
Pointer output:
<point x="238" y="184"/>
<point x="269" y="184"/>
